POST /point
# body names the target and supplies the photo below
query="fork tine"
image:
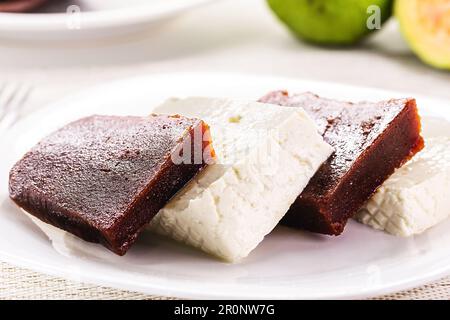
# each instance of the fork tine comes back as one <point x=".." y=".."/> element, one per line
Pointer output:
<point x="21" y="99"/>
<point x="14" y="104"/>
<point x="6" y="97"/>
<point x="9" y="91"/>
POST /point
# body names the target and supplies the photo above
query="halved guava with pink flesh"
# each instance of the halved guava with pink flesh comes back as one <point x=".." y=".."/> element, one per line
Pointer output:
<point x="426" y="26"/>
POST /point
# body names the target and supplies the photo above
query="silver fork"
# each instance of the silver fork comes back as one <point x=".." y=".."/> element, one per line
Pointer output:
<point x="13" y="98"/>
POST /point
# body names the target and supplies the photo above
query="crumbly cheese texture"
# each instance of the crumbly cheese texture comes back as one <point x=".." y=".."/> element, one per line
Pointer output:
<point x="266" y="155"/>
<point x="416" y="197"/>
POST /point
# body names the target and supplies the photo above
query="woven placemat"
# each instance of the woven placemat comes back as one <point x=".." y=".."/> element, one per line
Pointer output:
<point x="19" y="283"/>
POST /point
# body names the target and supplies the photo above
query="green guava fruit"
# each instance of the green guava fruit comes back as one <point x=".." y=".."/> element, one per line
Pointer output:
<point x="426" y="27"/>
<point x="332" y="22"/>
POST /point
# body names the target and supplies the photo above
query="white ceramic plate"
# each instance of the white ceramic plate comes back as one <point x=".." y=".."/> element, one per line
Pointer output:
<point x="288" y="264"/>
<point x="96" y="19"/>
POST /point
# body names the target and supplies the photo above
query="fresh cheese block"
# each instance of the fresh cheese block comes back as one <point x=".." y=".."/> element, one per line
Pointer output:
<point x="266" y="154"/>
<point x="416" y="197"/>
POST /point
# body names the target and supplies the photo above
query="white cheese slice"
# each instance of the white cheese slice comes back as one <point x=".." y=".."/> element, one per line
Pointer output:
<point x="266" y="155"/>
<point x="416" y="197"/>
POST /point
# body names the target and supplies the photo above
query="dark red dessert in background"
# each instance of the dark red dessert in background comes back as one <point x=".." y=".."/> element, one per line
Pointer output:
<point x="371" y="140"/>
<point x="20" y="5"/>
<point x="103" y="178"/>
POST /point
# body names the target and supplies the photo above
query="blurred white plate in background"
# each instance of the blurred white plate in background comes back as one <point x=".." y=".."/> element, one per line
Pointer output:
<point x="288" y="264"/>
<point x="90" y="19"/>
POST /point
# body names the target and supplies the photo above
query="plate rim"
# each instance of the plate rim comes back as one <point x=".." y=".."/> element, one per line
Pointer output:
<point x="183" y="292"/>
<point x="157" y="290"/>
<point x="92" y="20"/>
